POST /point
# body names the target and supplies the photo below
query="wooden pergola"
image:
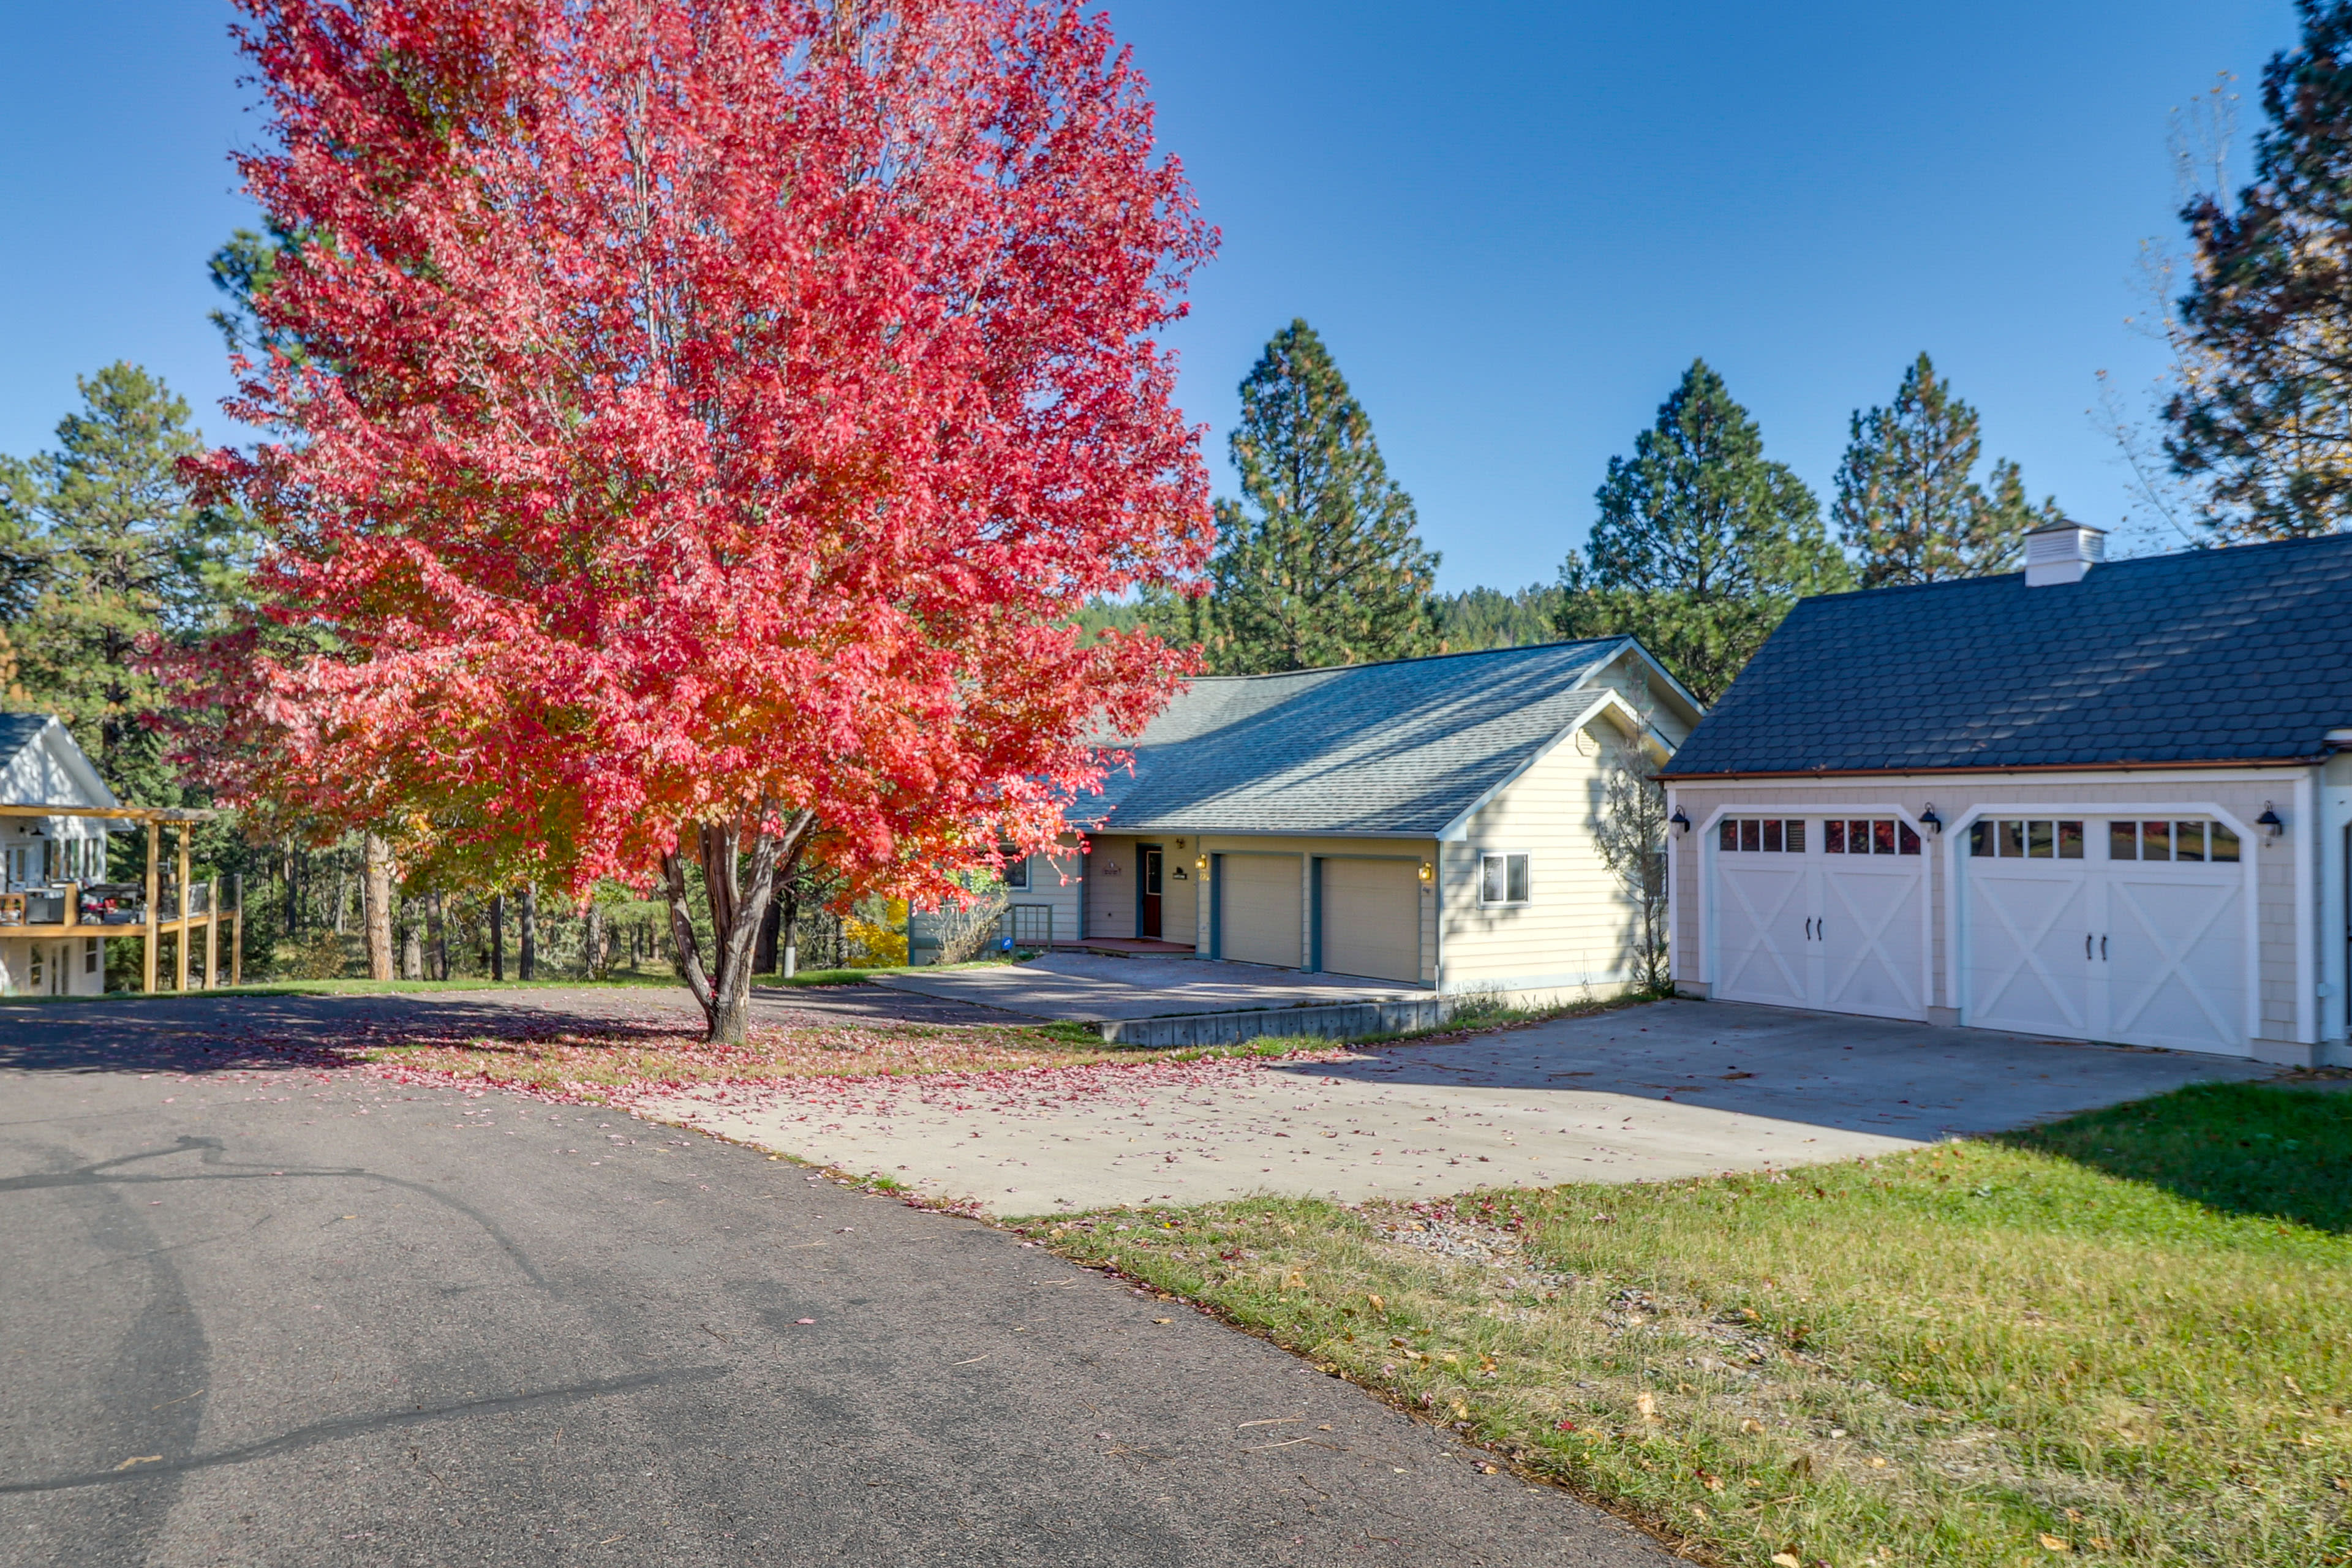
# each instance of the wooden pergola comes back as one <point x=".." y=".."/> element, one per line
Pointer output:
<point x="185" y="920"/>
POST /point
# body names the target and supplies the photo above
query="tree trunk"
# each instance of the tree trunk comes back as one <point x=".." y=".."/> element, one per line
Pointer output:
<point x="293" y="889"/>
<point x="595" y="959"/>
<point x="738" y="908"/>
<point x="412" y="941"/>
<point x="497" y="936"/>
<point x="527" y="929"/>
<point x="377" y="888"/>
<point x="436" y="935"/>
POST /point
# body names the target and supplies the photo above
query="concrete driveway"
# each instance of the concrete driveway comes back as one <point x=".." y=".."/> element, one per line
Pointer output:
<point x="277" y="1316"/>
<point x="1675" y="1089"/>
<point x="1087" y="986"/>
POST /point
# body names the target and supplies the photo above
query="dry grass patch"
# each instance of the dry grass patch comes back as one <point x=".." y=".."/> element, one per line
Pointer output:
<point x="2126" y="1338"/>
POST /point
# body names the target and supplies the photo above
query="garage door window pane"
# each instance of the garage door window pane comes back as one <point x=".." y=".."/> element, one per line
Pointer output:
<point x="1773" y="835"/>
<point x="1980" y="838"/>
<point x="2155" y="841"/>
<point x="1909" y="840"/>
<point x="2070" y="841"/>
<point x="1833" y="837"/>
<point x="2123" y="840"/>
<point x="2188" y="841"/>
<point x="2012" y="840"/>
<point x="1727" y="836"/>
<point x="1796" y="843"/>
<point x="2041" y="844"/>
<point x="2225" y="843"/>
<point x="1751" y="834"/>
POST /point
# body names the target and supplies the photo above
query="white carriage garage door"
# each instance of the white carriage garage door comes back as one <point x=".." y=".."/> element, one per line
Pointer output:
<point x="2131" y="930"/>
<point x="1371" y="919"/>
<point x="1821" y="913"/>
<point x="1259" y="911"/>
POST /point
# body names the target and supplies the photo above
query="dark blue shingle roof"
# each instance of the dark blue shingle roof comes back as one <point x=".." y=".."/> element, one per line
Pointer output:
<point x="2235" y="655"/>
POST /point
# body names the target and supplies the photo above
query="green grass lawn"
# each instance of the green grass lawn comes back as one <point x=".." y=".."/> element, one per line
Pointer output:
<point x="2126" y="1337"/>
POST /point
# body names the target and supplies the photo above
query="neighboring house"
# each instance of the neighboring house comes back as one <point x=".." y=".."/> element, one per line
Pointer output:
<point x="1427" y="821"/>
<point x="2105" y="801"/>
<point x="42" y="766"/>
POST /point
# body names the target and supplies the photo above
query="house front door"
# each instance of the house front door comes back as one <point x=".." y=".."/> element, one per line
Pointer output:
<point x="1147" y="918"/>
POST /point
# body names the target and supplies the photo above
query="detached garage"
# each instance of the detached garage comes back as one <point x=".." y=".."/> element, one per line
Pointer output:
<point x="2099" y="801"/>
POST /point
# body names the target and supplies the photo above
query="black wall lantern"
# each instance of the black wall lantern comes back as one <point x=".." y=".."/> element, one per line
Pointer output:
<point x="1682" y="823"/>
<point x="2270" y="819"/>
<point x="1931" y="821"/>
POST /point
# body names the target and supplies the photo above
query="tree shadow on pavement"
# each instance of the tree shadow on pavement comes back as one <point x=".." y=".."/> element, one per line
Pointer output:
<point x="248" y="1034"/>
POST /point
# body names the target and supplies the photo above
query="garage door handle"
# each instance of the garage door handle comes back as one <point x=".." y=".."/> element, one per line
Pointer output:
<point x="2102" y="950"/>
<point x="2086" y="946"/>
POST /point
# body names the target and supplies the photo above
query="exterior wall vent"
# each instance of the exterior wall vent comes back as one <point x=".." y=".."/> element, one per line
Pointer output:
<point x="2062" y="553"/>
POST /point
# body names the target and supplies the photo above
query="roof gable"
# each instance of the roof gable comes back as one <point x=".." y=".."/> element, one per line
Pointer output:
<point x="2210" y="656"/>
<point x="41" y="766"/>
<point x="1401" y="748"/>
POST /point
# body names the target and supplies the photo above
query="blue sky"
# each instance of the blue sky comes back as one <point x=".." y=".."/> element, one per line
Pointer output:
<point x="1515" y="226"/>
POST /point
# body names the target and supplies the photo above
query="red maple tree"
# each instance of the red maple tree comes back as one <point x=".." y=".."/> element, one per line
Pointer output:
<point x="700" y="419"/>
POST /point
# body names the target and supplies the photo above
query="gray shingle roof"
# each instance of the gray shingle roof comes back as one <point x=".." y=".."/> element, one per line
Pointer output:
<point x="2242" y="654"/>
<point x="1403" y="747"/>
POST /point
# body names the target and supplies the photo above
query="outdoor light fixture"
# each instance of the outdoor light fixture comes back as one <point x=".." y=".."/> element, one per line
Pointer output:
<point x="2270" y="819"/>
<point x="1201" y="864"/>
<point x="1931" y="821"/>
<point x="1428" y="873"/>
<point x="1682" y="823"/>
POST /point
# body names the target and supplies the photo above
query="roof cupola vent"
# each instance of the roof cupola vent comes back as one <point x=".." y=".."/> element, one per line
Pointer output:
<point x="2063" y="551"/>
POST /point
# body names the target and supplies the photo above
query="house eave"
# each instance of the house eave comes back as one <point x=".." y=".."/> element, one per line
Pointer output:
<point x="1989" y="768"/>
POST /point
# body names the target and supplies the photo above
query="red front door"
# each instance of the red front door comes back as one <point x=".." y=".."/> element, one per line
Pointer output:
<point x="1147" y="923"/>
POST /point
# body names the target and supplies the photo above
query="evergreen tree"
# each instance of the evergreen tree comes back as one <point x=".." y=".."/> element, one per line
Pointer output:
<point x="1320" y="563"/>
<point x="2263" y="418"/>
<point x="1908" y="503"/>
<point x="120" y="551"/>
<point x="1480" y="618"/>
<point x="1702" y="545"/>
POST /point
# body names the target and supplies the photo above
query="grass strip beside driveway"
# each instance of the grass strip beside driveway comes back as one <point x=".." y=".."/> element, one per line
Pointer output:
<point x="2126" y="1337"/>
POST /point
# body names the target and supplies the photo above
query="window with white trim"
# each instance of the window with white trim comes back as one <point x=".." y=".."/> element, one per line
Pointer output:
<point x="1761" y="835"/>
<point x="1017" y="867"/>
<point x="1503" y="879"/>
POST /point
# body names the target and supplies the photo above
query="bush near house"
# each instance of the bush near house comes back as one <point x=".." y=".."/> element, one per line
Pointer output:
<point x="2126" y="1338"/>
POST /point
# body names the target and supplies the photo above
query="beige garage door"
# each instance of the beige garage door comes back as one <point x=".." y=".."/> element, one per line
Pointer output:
<point x="1259" y="909"/>
<point x="1371" y="919"/>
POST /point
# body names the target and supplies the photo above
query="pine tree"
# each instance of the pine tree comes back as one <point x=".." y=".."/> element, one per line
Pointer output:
<point x="1321" y="563"/>
<point x="1909" y="504"/>
<point x="2264" y="419"/>
<point x="1702" y="545"/>
<point x="122" y="551"/>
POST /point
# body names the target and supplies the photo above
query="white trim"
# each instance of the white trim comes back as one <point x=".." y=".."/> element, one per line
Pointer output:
<point x="1848" y="810"/>
<point x="1674" y="875"/>
<point x="2306" y="816"/>
<point x="1504" y="856"/>
<point x="2250" y="865"/>
<point x="1697" y="708"/>
<point x="1958" y="777"/>
<point x="2333" y="848"/>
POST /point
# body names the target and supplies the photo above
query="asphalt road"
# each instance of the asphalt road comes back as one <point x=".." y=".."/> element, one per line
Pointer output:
<point x="254" y="1313"/>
